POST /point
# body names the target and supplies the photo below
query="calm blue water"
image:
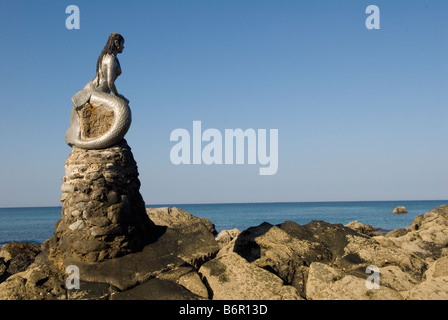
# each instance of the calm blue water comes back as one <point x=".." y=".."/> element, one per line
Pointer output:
<point x="35" y="225"/>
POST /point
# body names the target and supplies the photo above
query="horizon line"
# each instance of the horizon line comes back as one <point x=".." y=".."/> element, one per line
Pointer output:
<point x="262" y="202"/>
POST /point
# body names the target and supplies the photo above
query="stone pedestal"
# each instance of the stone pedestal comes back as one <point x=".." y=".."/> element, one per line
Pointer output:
<point x="103" y="213"/>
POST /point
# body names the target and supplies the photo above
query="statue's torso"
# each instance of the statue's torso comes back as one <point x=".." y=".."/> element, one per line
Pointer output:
<point x="109" y="64"/>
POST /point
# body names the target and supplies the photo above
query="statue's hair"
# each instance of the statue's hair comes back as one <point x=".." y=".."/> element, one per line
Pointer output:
<point x="109" y="48"/>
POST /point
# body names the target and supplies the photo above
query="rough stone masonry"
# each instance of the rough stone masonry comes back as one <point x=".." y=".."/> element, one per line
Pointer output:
<point x="103" y="213"/>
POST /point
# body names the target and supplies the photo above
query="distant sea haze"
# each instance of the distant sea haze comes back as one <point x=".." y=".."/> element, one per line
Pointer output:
<point x="36" y="224"/>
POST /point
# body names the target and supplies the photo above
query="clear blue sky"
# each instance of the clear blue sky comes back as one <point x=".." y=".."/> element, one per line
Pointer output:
<point x="361" y="114"/>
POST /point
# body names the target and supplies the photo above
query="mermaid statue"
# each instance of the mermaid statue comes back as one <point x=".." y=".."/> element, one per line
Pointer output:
<point x="98" y="93"/>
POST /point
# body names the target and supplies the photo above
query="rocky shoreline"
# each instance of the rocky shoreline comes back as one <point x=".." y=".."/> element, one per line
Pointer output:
<point x="188" y="260"/>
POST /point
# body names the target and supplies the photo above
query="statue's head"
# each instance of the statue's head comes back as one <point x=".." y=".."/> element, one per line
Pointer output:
<point x="115" y="43"/>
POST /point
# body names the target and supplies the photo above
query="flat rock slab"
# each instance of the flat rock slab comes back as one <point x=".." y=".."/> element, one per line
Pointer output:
<point x="177" y="218"/>
<point x="156" y="289"/>
<point x="91" y="291"/>
<point x="132" y="269"/>
<point x="171" y="250"/>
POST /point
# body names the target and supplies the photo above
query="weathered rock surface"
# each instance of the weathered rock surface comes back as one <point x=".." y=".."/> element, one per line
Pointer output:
<point x="40" y="281"/>
<point x="94" y="121"/>
<point x="426" y="238"/>
<point x="435" y="285"/>
<point x="187" y="277"/>
<point x="231" y="277"/>
<point x="427" y="235"/>
<point x="328" y="283"/>
<point x="173" y="249"/>
<point x="315" y="261"/>
<point x="177" y="218"/>
<point x="288" y="250"/>
<point x="16" y="257"/>
<point x="197" y="243"/>
<point x="400" y="210"/>
<point x="166" y="265"/>
<point x="3" y="268"/>
<point x="226" y="236"/>
<point x="366" y="229"/>
<point x="156" y="289"/>
<point x="103" y="213"/>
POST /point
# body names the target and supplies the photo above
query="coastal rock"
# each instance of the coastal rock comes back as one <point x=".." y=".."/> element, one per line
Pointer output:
<point x="175" y="218"/>
<point x="174" y="248"/>
<point x="288" y="250"/>
<point x="183" y="247"/>
<point x="231" y="277"/>
<point x="192" y="282"/>
<point x="3" y="268"/>
<point x="37" y="282"/>
<point x="103" y="212"/>
<point x="226" y="236"/>
<point x="366" y="229"/>
<point x="435" y="286"/>
<point x="13" y="250"/>
<point x="17" y="256"/>
<point x="91" y="291"/>
<point x="397" y="232"/>
<point x="187" y="277"/>
<point x="327" y="283"/>
<point x="351" y="250"/>
<point x="228" y="248"/>
<point x="395" y="278"/>
<point x="400" y="210"/>
<point x="198" y="243"/>
<point x="272" y="248"/>
<point x="156" y="289"/>
<point x="427" y="235"/>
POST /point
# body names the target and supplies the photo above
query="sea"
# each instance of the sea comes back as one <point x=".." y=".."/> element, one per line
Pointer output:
<point x="36" y="224"/>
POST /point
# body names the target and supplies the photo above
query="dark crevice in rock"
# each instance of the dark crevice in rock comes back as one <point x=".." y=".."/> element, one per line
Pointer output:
<point x="207" y="285"/>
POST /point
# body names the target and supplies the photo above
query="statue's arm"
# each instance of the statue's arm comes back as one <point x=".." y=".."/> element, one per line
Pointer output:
<point x="111" y="73"/>
<point x="110" y="67"/>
